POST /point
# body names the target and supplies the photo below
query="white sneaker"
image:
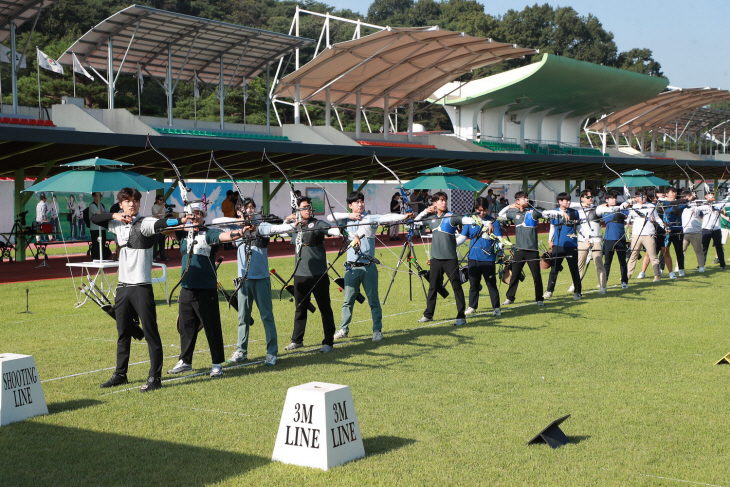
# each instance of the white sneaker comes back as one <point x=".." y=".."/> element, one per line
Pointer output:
<point x="507" y="301"/>
<point x="341" y="333"/>
<point x="424" y="319"/>
<point x="238" y="357"/>
<point x="657" y="279"/>
<point x="270" y="359"/>
<point x="641" y="275"/>
<point x="680" y="273"/>
<point x="624" y="285"/>
<point x="603" y="290"/>
<point x="672" y="275"/>
<point x="180" y="367"/>
<point x="701" y="269"/>
<point x="216" y="370"/>
<point x="676" y="269"/>
<point x="547" y="295"/>
<point x="377" y="336"/>
<point x="571" y="289"/>
<point x="497" y="312"/>
<point x="577" y="296"/>
<point x="469" y="311"/>
<point x="293" y="346"/>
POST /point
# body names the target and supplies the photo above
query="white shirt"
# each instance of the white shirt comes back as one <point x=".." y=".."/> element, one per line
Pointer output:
<point x="41" y="211"/>
<point x="691" y="220"/>
<point x="135" y="265"/>
<point x="641" y="226"/>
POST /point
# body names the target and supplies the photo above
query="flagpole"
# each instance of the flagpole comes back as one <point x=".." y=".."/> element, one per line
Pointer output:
<point x="38" y="75"/>
<point x="139" y="98"/>
<point x="73" y="74"/>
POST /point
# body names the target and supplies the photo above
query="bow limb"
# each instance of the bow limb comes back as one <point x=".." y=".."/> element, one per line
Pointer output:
<point x="706" y="187"/>
<point x="190" y="252"/>
<point x="235" y="184"/>
<point x="404" y="196"/>
<point x="627" y="193"/>
<point x="295" y="207"/>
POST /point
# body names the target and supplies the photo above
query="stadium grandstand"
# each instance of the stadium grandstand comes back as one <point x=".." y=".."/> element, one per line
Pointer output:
<point x="522" y="125"/>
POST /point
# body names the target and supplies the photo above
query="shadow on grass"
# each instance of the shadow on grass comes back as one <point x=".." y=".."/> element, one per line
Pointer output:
<point x="384" y="444"/>
<point x="42" y="454"/>
<point x="62" y="407"/>
<point x="578" y="439"/>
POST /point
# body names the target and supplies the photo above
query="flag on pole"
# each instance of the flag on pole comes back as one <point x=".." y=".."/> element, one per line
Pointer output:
<point x="78" y="68"/>
<point x="5" y="54"/>
<point x="245" y="90"/>
<point x="166" y="84"/>
<point x="48" y="63"/>
<point x="196" y="90"/>
<point x="140" y="78"/>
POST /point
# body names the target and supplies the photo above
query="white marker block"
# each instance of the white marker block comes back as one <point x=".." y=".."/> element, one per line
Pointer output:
<point x="319" y="427"/>
<point x="21" y="392"/>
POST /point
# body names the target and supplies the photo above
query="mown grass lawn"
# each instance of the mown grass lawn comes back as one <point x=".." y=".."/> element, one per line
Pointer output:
<point x="436" y="404"/>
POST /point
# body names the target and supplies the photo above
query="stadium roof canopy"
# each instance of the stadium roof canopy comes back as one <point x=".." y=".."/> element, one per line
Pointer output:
<point x="143" y="35"/>
<point x="666" y="110"/>
<point x="560" y="84"/>
<point x="403" y="63"/>
<point x="18" y="11"/>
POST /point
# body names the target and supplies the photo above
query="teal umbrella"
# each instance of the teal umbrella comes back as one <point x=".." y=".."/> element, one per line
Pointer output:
<point x="95" y="179"/>
<point x="96" y="162"/>
<point x="638" y="179"/>
<point x="444" y="178"/>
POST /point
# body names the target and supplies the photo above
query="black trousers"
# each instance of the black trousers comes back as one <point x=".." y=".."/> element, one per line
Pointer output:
<point x="570" y="254"/>
<point x="716" y="237"/>
<point x="619" y="248"/>
<point x="158" y="248"/>
<point x="132" y="302"/>
<point x="196" y="306"/>
<point x="321" y="292"/>
<point x="478" y="269"/>
<point x="675" y="239"/>
<point x="532" y="259"/>
<point x="438" y="268"/>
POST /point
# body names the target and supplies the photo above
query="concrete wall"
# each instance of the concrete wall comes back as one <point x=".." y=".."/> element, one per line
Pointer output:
<point x="80" y="119"/>
<point x="333" y="135"/>
<point x="121" y="121"/>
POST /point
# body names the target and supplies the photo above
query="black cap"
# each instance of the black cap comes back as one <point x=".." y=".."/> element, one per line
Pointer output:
<point x="42" y="195"/>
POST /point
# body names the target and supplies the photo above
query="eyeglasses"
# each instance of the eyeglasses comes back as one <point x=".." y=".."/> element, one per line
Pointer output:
<point x="305" y="207"/>
<point x="588" y="197"/>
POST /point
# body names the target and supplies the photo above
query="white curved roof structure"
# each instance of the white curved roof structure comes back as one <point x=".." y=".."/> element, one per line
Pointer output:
<point x="404" y="63"/>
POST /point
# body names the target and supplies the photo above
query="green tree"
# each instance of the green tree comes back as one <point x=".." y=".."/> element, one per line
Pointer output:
<point x="639" y="61"/>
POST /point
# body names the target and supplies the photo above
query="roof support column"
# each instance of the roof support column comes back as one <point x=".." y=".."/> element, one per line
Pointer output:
<point x="524" y="184"/>
<point x="643" y="139"/>
<point x="110" y="72"/>
<point x="350" y="182"/>
<point x="327" y="107"/>
<point x="358" y="114"/>
<point x="604" y="136"/>
<point x="410" y="120"/>
<point x="14" y="76"/>
<point x="268" y="99"/>
<point x="653" y="141"/>
<point x="169" y="85"/>
<point x="19" y="204"/>
<point x="297" y="103"/>
<point x="386" y="116"/>
<point x="567" y="184"/>
<point x="221" y="95"/>
<point x="265" y="196"/>
<point x="617" y="134"/>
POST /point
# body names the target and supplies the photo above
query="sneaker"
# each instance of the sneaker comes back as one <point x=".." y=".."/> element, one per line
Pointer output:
<point x="180" y="367"/>
<point x="657" y="279"/>
<point x="547" y="295"/>
<point x="509" y="301"/>
<point x="216" y="370"/>
<point x="571" y="289"/>
<point x="377" y="336"/>
<point x="577" y="296"/>
<point x="326" y="349"/>
<point x="341" y="333"/>
<point x="153" y="383"/>
<point x="116" y="380"/>
<point x="424" y="319"/>
<point x="293" y="346"/>
<point x="716" y="261"/>
<point x="672" y="275"/>
<point x="460" y="322"/>
<point x="624" y="285"/>
<point x="641" y="275"/>
<point x="603" y="290"/>
<point x="270" y="359"/>
<point x="497" y="312"/>
<point x="540" y="303"/>
<point x="469" y="310"/>
<point x="701" y="269"/>
<point x="238" y="357"/>
<point x="680" y="273"/>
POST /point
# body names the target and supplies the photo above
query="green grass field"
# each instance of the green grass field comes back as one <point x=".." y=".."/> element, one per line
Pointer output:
<point x="436" y="404"/>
